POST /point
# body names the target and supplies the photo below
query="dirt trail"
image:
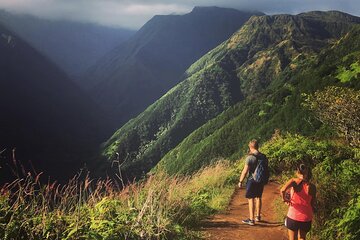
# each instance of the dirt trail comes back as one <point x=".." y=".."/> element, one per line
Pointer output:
<point x="228" y="225"/>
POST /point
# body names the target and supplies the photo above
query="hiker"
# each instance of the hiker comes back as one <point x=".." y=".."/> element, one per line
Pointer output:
<point x="256" y="164"/>
<point x="300" y="195"/>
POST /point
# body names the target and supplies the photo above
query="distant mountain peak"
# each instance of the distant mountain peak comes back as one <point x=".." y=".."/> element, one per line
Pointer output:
<point x="206" y="8"/>
<point x="202" y="10"/>
<point x="214" y="9"/>
<point x="330" y="16"/>
<point x="157" y="56"/>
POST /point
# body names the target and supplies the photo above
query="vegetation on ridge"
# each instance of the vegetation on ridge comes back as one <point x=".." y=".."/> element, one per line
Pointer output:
<point x="278" y="107"/>
<point x="263" y="52"/>
<point x="138" y="72"/>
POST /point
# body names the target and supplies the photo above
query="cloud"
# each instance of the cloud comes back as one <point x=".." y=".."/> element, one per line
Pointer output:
<point x="129" y="14"/>
<point x="134" y="13"/>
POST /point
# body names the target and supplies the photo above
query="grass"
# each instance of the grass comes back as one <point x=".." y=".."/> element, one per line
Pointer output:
<point x="158" y="207"/>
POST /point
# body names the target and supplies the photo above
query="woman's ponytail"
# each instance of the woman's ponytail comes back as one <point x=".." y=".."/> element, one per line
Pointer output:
<point x="305" y="171"/>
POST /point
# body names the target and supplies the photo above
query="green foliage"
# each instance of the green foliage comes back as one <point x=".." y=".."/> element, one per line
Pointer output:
<point x="348" y="226"/>
<point x="345" y="75"/>
<point x="338" y="186"/>
<point x="160" y="207"/>
<point x="145" y="139"/>
<point x="227" y="135"/>
<point x="286" y="152"/>
<point x="336" y="170"/>
<point x="340" y="108"/>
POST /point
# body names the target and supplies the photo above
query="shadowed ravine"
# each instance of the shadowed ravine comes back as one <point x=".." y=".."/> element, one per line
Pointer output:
<point x="228" y="225"/>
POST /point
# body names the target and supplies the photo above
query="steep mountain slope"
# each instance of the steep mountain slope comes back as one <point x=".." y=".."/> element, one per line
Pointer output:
<point x="279" y="107"/>
<point x="44" y="115"/>
<point x="242" y="67"/>
<point x="139" y="71"/>
<point x="73" y="46"/>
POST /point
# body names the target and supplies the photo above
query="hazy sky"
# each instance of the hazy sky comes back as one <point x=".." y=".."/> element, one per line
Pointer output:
<point x="134" y="13"/>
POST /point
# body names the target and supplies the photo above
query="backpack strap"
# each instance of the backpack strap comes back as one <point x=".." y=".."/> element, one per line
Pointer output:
<point x="257" y="162"/>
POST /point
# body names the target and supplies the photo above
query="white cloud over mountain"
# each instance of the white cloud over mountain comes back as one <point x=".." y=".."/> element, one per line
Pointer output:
<point x="134" y="13"/>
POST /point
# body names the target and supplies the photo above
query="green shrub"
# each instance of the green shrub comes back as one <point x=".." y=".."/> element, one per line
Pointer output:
<point x="337" y="184"/>
<point x="159" y="207"/>
<point x="338" y="107"/>
<point x="345" y="222"/>
<point x="336" y="174"/>
<point x="286" y="152"/>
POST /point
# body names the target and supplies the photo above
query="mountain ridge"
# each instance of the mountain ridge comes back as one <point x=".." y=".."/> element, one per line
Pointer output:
<point x="226" y="136"/>
<point x="239" y="68"/>
<point x="126" y="81"/>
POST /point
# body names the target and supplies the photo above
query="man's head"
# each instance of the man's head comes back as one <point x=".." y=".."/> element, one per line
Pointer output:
<point x="254" y="144"/>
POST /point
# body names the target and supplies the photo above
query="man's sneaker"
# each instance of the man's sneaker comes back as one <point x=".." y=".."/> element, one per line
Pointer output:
<point x="257" y="218"/>
<point x="248" y="221"/>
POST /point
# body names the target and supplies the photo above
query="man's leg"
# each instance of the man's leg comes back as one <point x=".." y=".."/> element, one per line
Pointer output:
<point x="250" y="220"/>
<point x="258" y="206"/>
<point x="249" y="195"/>
<point x="251" y="208"/>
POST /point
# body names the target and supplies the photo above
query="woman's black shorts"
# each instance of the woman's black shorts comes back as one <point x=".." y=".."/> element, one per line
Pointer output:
<point x="297" y="225"/>
<point x="254" y="189"/>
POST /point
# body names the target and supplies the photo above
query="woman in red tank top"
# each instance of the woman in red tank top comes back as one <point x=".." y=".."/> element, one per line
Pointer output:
<point x="300" y="195"/>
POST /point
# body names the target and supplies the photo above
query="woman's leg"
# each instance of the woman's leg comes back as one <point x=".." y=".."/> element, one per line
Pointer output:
<point x="302" y="235"/>
<point x="291" y="234"/>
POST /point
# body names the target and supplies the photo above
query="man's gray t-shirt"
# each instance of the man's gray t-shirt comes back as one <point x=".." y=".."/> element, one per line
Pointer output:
<point x="251" y="162"/>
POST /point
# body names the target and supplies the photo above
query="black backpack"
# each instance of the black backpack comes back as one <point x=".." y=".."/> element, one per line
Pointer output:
<point x="261" y="173"/>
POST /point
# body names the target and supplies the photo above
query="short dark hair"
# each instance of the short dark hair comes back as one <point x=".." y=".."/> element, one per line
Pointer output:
<point x="254" y="143"/>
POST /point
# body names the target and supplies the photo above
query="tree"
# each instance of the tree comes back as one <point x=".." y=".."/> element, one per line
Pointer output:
<point x="338" y="107"/>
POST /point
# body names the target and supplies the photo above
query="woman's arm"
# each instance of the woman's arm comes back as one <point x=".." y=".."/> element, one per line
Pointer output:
<point x="287" y="185"/>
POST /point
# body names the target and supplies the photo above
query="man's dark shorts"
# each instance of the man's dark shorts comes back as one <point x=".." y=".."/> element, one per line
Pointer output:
<point x="254" y="189"/>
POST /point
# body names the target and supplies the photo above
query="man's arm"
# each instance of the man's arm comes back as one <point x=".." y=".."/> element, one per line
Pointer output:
<point x="243" y="174"/>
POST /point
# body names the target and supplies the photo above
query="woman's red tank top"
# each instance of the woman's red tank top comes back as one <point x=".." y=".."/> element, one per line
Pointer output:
<point x="300" y="208"/>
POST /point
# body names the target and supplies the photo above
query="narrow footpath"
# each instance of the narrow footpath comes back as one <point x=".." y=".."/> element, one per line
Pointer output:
<point x="228" y="225"/>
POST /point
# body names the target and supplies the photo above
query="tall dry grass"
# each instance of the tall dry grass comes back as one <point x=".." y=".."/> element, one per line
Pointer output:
<point x="159" y="207"/>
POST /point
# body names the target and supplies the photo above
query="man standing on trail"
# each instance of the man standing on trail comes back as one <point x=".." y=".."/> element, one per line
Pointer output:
<point x="256" y="164"/>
